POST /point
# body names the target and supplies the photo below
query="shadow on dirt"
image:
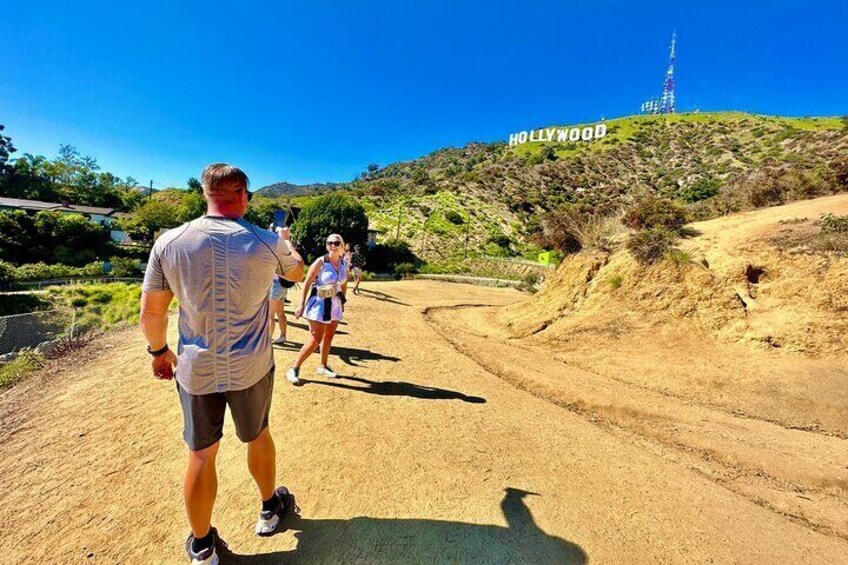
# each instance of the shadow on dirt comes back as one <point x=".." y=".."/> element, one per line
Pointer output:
<point x="382" y="296"/>
<point x="349" y="355"/>
<point x="305" y="327"/>
<point x="379" y="540"/>
<point x="399" y="388"/>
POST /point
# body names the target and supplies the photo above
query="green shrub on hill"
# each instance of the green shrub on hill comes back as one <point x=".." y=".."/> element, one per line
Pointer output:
<point x="43" y="271"/>
<point x="650" y="245"/>
<point x="331" y="213"/>
<point x="652" y="211"/>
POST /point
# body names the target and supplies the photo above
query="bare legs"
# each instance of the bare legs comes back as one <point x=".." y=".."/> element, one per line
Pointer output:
<point x="316" y="335"/>
<point x="201" y="479"/>
<point x="277" y="307"/>
<point x="261" y="460"/>
<point x="327" y="340"/>
<point x="200" y="488"/>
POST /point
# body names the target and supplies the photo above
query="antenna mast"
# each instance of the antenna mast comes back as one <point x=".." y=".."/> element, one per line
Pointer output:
<point x="665" y="103"/>
<point x="667" y="106"/>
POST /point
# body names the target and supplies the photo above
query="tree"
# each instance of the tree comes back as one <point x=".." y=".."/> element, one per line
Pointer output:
<point x="151" y="216"/>
<point x="6" y="148"/>
<point x="16" y="229"/>
<point x="261" y="210"/>
<point x="194" y="185"/>
<point x="331" y="213"/>
<point x="548" y="153"/>
<point x="50" y="237"/>
<point x="193" y="206"/>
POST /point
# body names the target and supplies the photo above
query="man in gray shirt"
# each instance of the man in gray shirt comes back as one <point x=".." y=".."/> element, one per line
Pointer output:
<point x="220" y="268"/>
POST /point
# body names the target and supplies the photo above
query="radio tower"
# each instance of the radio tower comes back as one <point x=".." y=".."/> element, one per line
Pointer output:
<point x="664" y="104"/>
<point x="667" y="103"/>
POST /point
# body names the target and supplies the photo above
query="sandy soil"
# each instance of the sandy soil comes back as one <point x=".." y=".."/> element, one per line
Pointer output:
<point x="445" y="441"/>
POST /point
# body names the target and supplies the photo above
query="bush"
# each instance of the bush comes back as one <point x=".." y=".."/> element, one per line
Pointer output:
<point x="331" y="213"/>
<point x="404" y="270"/>
<point x="43" y="271"/>
<point x="529" y="282"/>
<point x="831" y="223"/>
<point x="653" y="211"/>
<point x="384" y="257"/>
<point x="18" y="368"/>
<point x="650" y="245"/>
<point x="126" y="268"/>
<point x="7" y="273"/>
<point x="569" y="229"/>
<point x="454" y="217"/>
<point x="615" y="281"/>
<point x="701" y="189"/>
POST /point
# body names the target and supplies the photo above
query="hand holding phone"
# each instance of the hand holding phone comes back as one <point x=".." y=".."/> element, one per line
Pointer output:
<point x="280" y="217"/>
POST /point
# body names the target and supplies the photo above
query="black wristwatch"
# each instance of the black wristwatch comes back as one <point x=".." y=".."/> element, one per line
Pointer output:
<point x="158" y="352"/>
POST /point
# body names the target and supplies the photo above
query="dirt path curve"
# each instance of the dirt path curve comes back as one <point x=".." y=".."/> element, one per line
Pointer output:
<point x="418" y="455"/>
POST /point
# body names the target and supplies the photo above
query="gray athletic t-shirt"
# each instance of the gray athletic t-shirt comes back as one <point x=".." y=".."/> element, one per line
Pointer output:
<point x="220" y="271"/>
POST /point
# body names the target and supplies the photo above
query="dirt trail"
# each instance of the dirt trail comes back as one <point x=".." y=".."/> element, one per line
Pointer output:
<point x="427" y="451"/>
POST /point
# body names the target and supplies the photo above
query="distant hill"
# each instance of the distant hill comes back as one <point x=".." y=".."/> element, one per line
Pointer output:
<point x="490" y="197"/>
<point x="289" y="189"/>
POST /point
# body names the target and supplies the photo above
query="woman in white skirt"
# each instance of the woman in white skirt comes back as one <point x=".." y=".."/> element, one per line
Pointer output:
<point x="322" y="303"/>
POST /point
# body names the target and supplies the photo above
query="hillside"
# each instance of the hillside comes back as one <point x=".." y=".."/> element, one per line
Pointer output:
<point x="289" y="189"/>
<point x="760" y="278"/>
<point x="490" y="197"/>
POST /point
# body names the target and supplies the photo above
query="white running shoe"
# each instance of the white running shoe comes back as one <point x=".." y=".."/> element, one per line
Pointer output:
<point x="270" y="519"/>
<point x="326" y="371"/>
<point x="293" y="376"/>
<point x="280" y="340"/>
<point x="206" y="556"/>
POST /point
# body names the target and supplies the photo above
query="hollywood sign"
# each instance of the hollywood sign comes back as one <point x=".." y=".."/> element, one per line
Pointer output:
<point x="560" y="135"/>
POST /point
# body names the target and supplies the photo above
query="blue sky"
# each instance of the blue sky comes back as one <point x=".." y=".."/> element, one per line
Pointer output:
<point x="314" y="91"/>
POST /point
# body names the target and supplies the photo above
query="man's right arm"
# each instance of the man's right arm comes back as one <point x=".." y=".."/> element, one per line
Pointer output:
<point x="156" y="297"/>
<point x="290" y="261"/>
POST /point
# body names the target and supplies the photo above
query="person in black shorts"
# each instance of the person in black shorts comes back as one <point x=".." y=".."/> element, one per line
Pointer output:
<point x="219" y="267"/>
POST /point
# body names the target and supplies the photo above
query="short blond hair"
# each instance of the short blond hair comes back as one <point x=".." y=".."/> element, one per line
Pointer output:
<point x="220" y="179"/>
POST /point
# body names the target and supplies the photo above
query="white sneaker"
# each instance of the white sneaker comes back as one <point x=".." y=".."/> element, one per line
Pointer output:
<point x="326" y="371"/>
<point x="293" y="376"/>
<point x="268" y="521"/>
<point x="206" y="556"/>
<point x="280" y="340"/>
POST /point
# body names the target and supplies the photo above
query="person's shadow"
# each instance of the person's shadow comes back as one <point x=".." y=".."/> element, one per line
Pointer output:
<point x="396" y="541"/>
<point x="349" y="355"/>
<point x="305" y="327"/>
<point x="382" y="296"/>
<point x="399" y="388"/>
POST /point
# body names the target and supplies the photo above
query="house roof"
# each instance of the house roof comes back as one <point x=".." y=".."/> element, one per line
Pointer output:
<point x="22" y="204"/>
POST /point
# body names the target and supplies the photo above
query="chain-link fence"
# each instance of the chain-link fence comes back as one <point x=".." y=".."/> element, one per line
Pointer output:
<point x="22" y="331"/>
<point x="41" y="285"/>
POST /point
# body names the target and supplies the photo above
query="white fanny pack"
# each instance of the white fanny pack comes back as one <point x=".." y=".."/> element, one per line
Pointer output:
<point x="326" y="291"/>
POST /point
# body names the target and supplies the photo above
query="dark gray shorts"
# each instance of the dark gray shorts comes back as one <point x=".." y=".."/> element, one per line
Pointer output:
<point x="203" y="414"/>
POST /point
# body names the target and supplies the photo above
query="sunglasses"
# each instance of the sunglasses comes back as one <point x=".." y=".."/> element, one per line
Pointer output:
<point x="334" y="243"/>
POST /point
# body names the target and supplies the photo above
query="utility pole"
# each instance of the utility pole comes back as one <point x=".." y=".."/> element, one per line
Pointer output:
<point x="150" y="192"/>
<point x="400" y="211"/>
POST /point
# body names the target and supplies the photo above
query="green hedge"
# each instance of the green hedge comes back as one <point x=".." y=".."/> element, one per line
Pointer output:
<point x="43" y="271"/>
